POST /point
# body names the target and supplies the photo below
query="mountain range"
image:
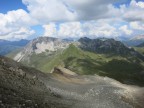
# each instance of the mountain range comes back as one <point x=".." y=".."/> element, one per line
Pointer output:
<point x="8" y="46"/>
<point x="105" y="57"/>
<point x="60" y="73"/>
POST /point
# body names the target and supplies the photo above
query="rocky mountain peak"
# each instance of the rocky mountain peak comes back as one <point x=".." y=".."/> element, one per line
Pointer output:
<point x="40" y="45"/>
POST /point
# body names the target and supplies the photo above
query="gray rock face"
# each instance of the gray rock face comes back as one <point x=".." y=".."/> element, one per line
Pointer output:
<point x="107" y="46"/>
<point x="41" y="45"/>
<point x="104" y="46"/>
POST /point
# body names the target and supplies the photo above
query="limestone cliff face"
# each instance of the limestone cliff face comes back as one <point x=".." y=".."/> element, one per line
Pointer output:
<point x="41" y="45"/>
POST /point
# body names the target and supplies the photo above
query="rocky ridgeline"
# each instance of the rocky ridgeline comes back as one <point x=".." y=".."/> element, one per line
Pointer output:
<point x="107" y="46"/>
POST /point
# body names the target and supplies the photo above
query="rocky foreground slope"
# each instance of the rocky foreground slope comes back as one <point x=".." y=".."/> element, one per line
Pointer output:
<point x="23" y="87"/>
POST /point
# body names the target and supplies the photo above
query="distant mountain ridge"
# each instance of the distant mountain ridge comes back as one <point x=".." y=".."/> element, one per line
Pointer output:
<point x="21" y="42"/>
<point x="141" y="45"/>
<point x="139" y="37"/>
<point x="134" y="41"/>
<point x="50" y="46"/>
<point x="9" y="46"/>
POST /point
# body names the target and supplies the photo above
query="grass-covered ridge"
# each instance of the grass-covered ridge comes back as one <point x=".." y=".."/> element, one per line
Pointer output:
<point x="122" y="68"/>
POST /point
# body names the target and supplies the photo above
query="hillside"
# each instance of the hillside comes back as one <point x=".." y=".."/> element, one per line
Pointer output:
<point x="102" y="57"/>
<point x="125" y="69"/>
<point x="141" y="45"/>
<point x="47" y="45"/>
<point x="139" y="49"/>
<point x="24" y="87"/>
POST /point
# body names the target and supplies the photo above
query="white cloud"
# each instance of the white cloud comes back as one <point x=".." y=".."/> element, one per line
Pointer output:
<point x="100" y="29"/>
<point x="98" y="17"/>
<point x="50" y="29"/>
<point x="133" y="12"/>
<point x="137" y="25"/>
<point x="102" y="11"/>
<point x="77" y="29"/>
<point x="67" y="29"/>
<point x="15" y="24"/>
<point x="140" y="4"/>
<point x="21" y="33"/>
<point x="125" y="30"/>
<point x="71" y="29"/>
<point x="68" y="10"/>
<point x="46" y="11"/>
<point x="49" y="10"/>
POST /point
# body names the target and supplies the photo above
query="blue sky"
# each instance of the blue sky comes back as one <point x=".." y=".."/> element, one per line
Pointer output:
<point x="33" y="18"/>
<point x="8" y="5"/>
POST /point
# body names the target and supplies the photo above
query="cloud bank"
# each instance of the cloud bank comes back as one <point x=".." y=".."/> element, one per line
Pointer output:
<point x="74" y="18"/>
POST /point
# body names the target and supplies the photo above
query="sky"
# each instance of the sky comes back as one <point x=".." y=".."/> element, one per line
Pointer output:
<point x="28" y="19"/>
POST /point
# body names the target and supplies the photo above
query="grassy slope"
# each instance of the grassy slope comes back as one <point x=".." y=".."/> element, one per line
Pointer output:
<point x="140" y="49"/>
<point x="124" y="69"/>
